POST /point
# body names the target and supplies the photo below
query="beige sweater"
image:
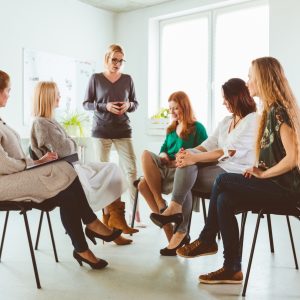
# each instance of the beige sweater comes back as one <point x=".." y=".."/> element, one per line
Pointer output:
<point x="37" y="184"/>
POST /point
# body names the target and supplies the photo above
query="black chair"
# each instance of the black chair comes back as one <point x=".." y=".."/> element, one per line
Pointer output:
<point x="285" y="211"/>
<point x="22" y="207"/>
<point x="34" y="157"/>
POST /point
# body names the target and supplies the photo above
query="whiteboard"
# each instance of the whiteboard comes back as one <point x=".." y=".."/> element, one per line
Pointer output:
<point x="71" y="75"/>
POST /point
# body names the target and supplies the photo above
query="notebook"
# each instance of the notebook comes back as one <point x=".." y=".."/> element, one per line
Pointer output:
<point x="72" y="158"/>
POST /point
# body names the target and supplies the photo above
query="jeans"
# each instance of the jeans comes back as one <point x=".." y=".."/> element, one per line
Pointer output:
<point x="233" y="192"/>
<point x="74" y="208"/>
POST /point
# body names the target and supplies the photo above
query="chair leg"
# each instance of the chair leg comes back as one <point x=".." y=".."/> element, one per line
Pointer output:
<point x="204" y="210"/>
<point x="292" y="242"/>
<point x="39" y="230"/>
<point x="252" y="252"/>
<point x="243" y="222"/>
<point x="190" y="221"/>
<point x="3" y="234"/>
<point x="270" y="233"/>
<point x="52" y="236"/>
<point x="134" y="207"/>
<point x="36" y="274"/>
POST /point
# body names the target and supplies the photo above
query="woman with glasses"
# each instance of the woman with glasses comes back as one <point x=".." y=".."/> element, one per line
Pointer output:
<point x="111" y="95"/>
<point x="184" y="132"/>
<point x="228" y="149"/>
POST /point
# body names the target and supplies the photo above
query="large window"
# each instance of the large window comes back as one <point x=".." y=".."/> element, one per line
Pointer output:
<point x="198" y="53"/>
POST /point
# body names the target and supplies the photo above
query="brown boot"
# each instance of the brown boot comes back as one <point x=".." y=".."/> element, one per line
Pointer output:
<point x="121" y="241"/>
<point x="117" y="218"/>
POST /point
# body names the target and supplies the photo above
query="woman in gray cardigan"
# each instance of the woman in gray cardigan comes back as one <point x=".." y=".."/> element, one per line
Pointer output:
<point x="55" y="184"/>
<point x="103" y="182"/>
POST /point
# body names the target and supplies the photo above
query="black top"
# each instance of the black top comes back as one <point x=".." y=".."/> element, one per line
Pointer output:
<point x="272" y="150"/>
<point x="100" y="91"/>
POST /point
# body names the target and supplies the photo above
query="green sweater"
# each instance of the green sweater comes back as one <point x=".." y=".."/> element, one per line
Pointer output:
<point x="173" y="143"/>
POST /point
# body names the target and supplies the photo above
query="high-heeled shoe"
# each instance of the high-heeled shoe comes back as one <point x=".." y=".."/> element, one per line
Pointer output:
<point x="161" y="220"/>
<point x="172" y="252"/>
<point x="107" y="238"/>
<point x="164" y="208"/>
<point x="100" y="264"/>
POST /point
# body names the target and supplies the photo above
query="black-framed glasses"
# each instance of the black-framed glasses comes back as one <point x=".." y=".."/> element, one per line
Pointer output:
<point x="116" y="61"/>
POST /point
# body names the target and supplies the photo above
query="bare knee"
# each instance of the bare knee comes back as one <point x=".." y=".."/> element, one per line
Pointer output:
<point x="146" y="156"/>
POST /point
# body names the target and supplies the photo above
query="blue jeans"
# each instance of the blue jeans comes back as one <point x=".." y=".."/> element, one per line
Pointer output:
<point x="231" y="193"/>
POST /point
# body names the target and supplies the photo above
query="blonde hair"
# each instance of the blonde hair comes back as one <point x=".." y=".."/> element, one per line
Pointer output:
<point x="112" y="49"/>
<point x="45" y="96"/>
<point x="272" y="86"/>
<point x="188" y="117"/>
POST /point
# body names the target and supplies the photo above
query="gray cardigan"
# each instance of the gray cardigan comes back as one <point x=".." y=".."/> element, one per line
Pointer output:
<point x="100" y="91"/>
<point x="46" y="132"/>
<point x="37" y="184"/>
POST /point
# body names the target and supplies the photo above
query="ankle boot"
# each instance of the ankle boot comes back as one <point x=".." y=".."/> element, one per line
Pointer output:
<point x="117" y="218"/>
<point x="121" y="241"/>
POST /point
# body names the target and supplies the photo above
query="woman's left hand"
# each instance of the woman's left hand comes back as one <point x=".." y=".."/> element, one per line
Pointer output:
<point x="124" y="107"/>
<point x="254" y="171"/>
<point x="185" y="158"/>
<point x="49" y="156"/>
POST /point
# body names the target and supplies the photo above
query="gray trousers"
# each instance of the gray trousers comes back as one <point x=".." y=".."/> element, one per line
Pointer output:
<point x="185" y="179"/>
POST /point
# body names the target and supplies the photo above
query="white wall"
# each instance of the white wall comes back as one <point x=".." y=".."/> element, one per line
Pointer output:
<point x="67" y="27"/>
<point x="132" y="33"/>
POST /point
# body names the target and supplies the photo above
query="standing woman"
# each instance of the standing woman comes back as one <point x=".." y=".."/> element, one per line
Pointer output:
<point x="275" y="181"/>
<point x="48" y="186"/>
<point x="111" y="95"/>
<point x="184" y="132"/>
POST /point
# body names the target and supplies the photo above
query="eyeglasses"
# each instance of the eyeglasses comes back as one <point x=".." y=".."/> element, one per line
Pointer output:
<point x="116" y="61"/>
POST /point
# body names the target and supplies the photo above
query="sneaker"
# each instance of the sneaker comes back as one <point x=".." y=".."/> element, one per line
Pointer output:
<point x="197" y="248"/>
<point x="222" y="276"/>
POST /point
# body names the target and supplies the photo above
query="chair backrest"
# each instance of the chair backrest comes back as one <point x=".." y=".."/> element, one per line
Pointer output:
<point x="32" y="154"/>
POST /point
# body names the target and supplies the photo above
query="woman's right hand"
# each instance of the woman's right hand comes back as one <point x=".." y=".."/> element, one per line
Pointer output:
<point x="49" y="156"/>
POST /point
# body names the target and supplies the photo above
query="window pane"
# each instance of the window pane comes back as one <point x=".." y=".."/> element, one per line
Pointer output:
<point x="184" y="63"/>
<point x="238" y="41"/>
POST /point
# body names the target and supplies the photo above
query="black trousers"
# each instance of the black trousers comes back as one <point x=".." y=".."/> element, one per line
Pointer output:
<point x="74" y="208"/>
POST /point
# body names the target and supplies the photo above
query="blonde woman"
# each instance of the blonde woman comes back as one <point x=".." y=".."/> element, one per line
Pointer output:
<point x="48" y="186"/>
<point x="275" y="181"/>
<point x="103" y="183"/>
<point x="111" y="95"/>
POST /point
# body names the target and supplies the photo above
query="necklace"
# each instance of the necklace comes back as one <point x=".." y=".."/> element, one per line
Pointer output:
<point x="236" y="122"/>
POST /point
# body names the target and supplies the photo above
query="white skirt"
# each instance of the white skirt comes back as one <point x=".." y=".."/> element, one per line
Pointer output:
<point x="102" y="182"/>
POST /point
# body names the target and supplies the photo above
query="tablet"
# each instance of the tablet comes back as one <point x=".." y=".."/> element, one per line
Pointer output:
<point x="72" y="158"/>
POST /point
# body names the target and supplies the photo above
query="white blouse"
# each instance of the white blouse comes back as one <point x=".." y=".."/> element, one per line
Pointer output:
<point x="241" y="139"/>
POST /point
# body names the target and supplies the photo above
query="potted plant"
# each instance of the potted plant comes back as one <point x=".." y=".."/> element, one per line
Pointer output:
<point x="162" y="117"/>
<point x="74" y="123"/>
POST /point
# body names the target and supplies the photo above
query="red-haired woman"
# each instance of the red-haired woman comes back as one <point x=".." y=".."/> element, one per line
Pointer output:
<point x="228" y="149"/>
<point x="184" y="132"/>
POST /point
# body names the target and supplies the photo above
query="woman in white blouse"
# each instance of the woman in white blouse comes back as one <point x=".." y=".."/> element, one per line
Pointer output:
<point x="229" y="149"/>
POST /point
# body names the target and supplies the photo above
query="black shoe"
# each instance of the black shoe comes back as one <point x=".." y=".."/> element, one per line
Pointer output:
<point x="107" y="238"/>
<point x="98" y="265"/>
<point x="164" y="208"/>
<point x="161" y="220"/>
<point x="172" y="252"/>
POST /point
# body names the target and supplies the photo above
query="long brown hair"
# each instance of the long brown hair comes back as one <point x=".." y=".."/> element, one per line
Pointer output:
<point x="188" y="117"/>
<point x="4" y="80"/>
<point x="238" y="97"/>
<point x="272" y="86"/>
<point x="45" y="96"/>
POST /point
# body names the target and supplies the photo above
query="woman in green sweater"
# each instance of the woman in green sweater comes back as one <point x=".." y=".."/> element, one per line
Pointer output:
<point x="184" y="132"/>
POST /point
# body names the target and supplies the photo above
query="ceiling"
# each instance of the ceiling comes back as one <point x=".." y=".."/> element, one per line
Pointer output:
<point x="119" y="6"/>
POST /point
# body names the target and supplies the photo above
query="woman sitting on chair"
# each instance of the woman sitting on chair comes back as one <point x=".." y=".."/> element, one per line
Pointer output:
<point x="103" y="183"/>
<point x="55" y="184"/>
<point x="231" y="143"/>
<point x="184" y="132"/>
